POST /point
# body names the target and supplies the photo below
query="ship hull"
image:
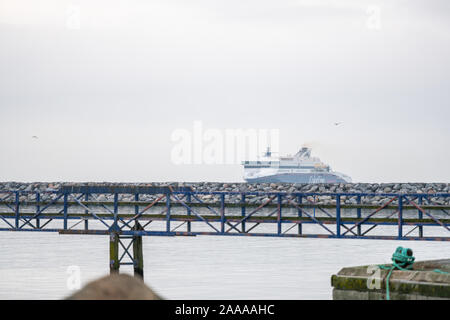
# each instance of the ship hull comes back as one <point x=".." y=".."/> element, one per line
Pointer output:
<point x="298" y="178"/>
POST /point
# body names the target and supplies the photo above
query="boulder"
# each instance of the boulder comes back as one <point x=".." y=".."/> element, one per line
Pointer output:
<point x="116" y="287"/>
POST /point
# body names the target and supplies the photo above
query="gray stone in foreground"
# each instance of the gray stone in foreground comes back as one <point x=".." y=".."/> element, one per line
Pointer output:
<point x="115" y="287"/>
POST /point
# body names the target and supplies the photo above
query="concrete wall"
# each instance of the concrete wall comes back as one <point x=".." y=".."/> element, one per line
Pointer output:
<point x="369" y="282"/>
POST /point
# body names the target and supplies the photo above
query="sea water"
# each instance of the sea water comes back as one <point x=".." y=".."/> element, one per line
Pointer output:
<point x="40" y="265"/>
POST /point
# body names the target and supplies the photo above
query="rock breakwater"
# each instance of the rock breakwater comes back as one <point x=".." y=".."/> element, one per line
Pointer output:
<point x="325" y="190"/>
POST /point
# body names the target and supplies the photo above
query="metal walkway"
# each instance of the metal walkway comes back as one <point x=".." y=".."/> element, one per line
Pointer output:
<point x="167" y="211"/>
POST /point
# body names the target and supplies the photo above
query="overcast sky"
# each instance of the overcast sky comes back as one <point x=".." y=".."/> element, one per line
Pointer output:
<point x="104" y="84"/>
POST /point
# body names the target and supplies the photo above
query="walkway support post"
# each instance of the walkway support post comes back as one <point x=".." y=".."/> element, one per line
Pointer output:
<point x="358" y="214"/>
<point x="38" y="208"/>
<point x="338" y="216"/>
<point x="65" y="209"/>
<point x="243" y="211"/>
<point x="222" y="213"/>
<point x="299" y="213"/>
<point x="420" y="217"/>
<point x="279" y="202"/>
<point x="138" y="255"/>
<point x="400" y="217"/>
<point x="168" y="212"/>
<point x="86" y="212"/>
<point x="16" y="209"/>
<point x="188" y="199"/>
<point x="114" y="262"/>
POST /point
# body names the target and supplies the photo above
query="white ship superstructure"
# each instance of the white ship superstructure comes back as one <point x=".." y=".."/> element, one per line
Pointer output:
<point x="299" y="168"/>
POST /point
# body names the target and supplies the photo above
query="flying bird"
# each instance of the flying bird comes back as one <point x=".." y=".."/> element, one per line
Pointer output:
<point x="35" y="137"/>
<point x="337" y="123"/>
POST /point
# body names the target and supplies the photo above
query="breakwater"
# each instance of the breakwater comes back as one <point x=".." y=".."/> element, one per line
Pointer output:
<point x="323" y="192"/>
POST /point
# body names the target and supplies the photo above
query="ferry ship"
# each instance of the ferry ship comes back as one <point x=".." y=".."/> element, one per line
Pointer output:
<point x="300" y="168"/>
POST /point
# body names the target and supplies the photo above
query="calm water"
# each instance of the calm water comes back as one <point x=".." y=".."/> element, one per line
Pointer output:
<point x="34" y="265"/>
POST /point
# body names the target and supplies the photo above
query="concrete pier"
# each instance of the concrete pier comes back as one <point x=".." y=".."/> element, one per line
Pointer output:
<point x="428" y="280"/>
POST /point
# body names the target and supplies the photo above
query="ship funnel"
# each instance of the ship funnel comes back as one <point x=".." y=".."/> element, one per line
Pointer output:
<point x="303" y="153"/>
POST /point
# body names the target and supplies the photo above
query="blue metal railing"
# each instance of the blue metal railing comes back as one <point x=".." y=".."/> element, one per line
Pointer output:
<point x="64" y="210"/>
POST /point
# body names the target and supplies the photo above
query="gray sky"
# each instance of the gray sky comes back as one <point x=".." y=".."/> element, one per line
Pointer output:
<point x="104" y="99"/>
